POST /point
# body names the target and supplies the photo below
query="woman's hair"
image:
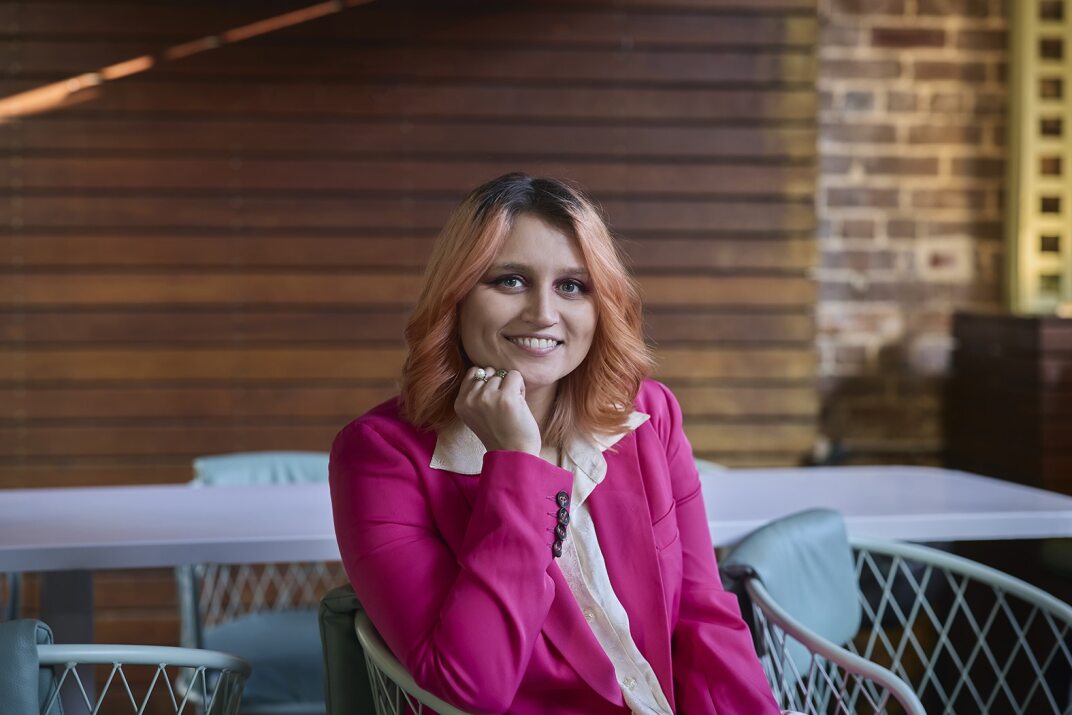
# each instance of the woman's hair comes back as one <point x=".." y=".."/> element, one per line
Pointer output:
<point x="597" y="396"/>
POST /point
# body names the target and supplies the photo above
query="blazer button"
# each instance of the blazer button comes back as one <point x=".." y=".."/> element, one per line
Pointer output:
<point x="556" y="549"/>
<point x="563" y="516"/>
<point x="560" y="532"/>
<point x="562" y="498"/>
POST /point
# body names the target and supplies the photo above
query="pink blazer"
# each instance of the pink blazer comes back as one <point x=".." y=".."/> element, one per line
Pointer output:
<point x="457" y="574"/>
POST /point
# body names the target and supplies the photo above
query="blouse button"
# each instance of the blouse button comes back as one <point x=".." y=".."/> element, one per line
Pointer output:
<point x="589" y="614"/>
<point x="629" y="683"/>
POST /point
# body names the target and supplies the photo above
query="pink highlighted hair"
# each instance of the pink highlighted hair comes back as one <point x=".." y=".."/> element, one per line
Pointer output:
<point x="598" y="396"/>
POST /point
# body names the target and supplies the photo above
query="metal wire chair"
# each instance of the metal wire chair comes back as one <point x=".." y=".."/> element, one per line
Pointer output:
<point x="938" y="634"/>
<point x="814" y="676"/>
<point x="215" y="594"/>
<point x="264" y="612"/>
<point x="10" y="596"/>
<point x="213" y="681"/>
<point x="967" y="637"/>
<point x="394" y="692"/>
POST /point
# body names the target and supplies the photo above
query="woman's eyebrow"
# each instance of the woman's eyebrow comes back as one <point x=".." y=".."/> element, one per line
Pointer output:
<point x="522" y="268"/>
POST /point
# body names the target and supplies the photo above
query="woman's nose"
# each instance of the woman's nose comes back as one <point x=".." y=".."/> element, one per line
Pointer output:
<point x="540" y="307"/>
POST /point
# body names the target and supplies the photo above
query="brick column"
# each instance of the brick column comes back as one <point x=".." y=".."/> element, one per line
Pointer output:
<point x="910" y="208"/>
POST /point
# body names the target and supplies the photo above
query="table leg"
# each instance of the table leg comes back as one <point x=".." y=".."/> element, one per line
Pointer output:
<point x="67" y="607"/>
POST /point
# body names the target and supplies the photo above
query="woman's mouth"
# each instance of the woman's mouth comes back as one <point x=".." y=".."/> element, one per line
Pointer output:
<point x="535" y="346"/>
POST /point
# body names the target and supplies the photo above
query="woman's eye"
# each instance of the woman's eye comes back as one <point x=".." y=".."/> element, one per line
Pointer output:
<point x="571" y="287"/>
<point x="510" y="282"/>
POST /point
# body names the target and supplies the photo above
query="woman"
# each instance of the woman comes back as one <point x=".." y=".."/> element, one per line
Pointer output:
<point x="524" y="524"/>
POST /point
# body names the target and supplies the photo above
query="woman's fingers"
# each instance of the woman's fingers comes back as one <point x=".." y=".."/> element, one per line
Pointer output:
<point x="494" y="380"/>
<point x="513" y="383"/>
<point x="486" y="385"/>
<point x="470" y="384"/>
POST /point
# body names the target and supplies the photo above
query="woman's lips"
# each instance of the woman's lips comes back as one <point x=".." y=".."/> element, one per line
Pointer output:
<point x="533" y="346"/>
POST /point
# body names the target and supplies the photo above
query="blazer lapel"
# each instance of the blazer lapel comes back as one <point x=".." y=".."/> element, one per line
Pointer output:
<point x="628" y="545"/>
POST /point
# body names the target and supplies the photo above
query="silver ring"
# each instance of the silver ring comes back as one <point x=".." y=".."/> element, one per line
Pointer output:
<point x="481" y="374"/>
<point x="500" y="373"/>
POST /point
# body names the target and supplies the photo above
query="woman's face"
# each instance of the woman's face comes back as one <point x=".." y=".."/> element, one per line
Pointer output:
<point x="533" y="310"/>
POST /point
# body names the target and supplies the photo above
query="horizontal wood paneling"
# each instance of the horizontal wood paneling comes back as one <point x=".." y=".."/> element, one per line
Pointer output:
<point x="438" y="99"/>
<point x="84" y="472"/>
<point x="335" y="402"/>
<point x="370" y="250"/>
<point x="256" y="136"/>
<point x="200" y="364"/>
<point x="196" y="363"/>
<point x="83" y="210"/>
<point x="219" y="253"/>
<point x="673" y="22"/>
<point x="214" y="437"/>
<point x="216" y="219"/>
<point x="343" y="288"/>
<point x="353" y="176"/>
<point x="251" y="326"/>
<point x="338" y="62"/>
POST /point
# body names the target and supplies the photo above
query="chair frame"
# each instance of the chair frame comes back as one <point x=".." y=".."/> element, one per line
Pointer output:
<point x="834" y="673"/>
<point x="10" y="596"/>
<point x="878" y="685"/>
<point x="215" y="680"/>
<point x="213" y="594"/>
<point x="394" y="691"/>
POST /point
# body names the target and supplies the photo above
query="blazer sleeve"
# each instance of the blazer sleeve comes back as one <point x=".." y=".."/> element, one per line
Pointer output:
<point x="464" y="624"/>
<point x="714" y="661"/>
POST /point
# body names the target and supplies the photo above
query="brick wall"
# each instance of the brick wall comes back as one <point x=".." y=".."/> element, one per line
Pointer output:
<point x="909" y="202"/>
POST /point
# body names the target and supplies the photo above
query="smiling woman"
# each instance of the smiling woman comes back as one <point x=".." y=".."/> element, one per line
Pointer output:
<point x="511" y="223"/>
<point x="530" y="313"/>
<point x="524" y="524"/>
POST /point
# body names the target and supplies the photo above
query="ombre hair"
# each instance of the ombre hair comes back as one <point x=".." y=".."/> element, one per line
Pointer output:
<point x="597" y="397"/>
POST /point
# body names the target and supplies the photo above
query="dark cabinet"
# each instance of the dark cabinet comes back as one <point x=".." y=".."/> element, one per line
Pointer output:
<point x="1008" y="410"/>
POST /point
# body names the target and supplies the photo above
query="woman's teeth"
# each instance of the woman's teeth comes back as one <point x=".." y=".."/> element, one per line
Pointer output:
<point x="536" y="343"/>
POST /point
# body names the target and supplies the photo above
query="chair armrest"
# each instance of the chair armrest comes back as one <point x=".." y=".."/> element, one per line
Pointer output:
<point x="346" y="681"/>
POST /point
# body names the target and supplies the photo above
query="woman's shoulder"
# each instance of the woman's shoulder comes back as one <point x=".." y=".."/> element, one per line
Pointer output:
<point x="655" y="399"/>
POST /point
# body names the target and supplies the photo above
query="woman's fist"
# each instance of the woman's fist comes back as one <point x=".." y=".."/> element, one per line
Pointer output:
<point x="494" y="408"/>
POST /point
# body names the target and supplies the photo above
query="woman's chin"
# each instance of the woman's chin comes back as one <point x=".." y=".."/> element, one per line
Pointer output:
<point x="539" y="381"/>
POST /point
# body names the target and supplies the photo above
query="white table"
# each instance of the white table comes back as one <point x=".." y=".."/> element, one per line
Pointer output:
<point x="153" y="526"/>
<point x="889" y="502"/>
<point x="70" y="532"/>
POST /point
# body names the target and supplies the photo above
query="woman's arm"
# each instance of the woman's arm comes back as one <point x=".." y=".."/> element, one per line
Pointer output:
<point x="463" y="624"/>
<point x="715" y="663"/>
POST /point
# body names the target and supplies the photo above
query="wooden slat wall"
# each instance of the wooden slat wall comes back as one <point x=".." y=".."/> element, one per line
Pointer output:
<point x="218" y="254"/>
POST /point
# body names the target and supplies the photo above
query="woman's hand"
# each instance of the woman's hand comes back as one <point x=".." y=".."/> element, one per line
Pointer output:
<point x="496" y="411"/>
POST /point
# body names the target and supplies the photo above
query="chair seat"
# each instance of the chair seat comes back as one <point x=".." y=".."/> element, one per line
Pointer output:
<point x="284" y="649"/>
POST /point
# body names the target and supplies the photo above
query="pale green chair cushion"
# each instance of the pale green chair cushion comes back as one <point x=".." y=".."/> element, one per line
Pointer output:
<point x="805" y="562"/>
<point x="283" y="676"/>
<point x="25" y="686"/>
<point x="256" y="468"/>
